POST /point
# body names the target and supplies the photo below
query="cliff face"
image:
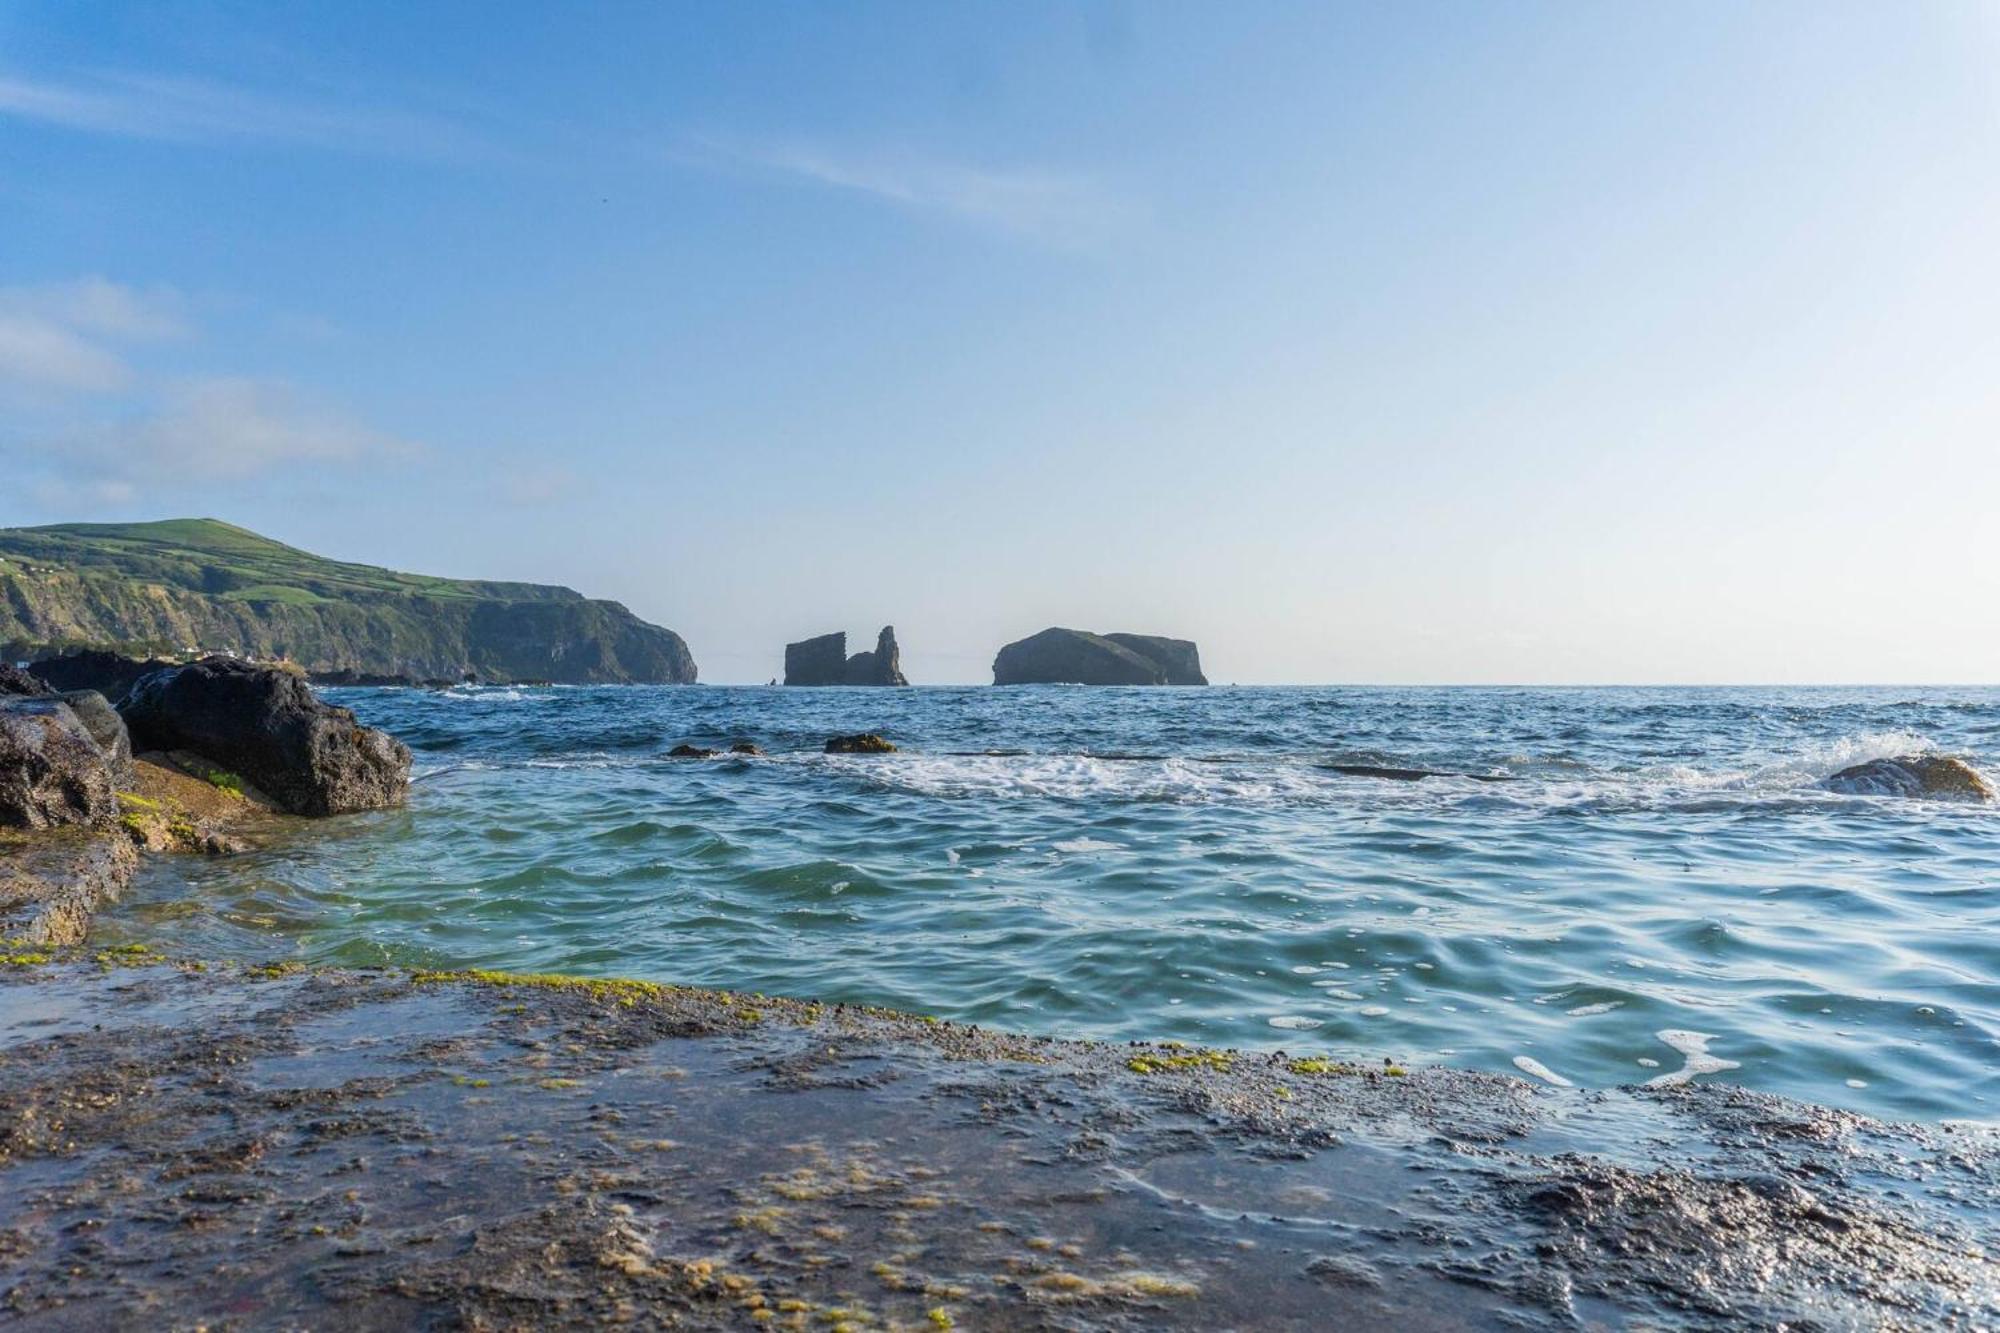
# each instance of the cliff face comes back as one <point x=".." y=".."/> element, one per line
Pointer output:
<point x="198" y="583"/>
<point x="1078" y="657"/>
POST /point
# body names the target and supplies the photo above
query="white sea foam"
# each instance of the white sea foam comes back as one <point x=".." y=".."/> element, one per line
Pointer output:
<point x="1601" y="1007"/>
<point x="1528" y="1064"/>
<point x="1079" y="845"/>
<point x="1693" y="1047"/>
<point x="1294" y="1021"/>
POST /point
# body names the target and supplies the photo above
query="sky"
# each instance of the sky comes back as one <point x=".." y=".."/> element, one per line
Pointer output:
<point x="1431" y="342"/>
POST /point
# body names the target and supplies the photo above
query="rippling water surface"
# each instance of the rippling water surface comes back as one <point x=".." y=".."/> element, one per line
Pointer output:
<point x="1658" y="887"/>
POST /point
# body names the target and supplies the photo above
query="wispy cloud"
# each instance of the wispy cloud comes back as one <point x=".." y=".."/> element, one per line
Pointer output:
<point x="178" y="109"/>
<point x="1053" y="207"/>
<point x="94" y="426"/>
<point x="222" y="428"/>
<point x="62" y="337"/>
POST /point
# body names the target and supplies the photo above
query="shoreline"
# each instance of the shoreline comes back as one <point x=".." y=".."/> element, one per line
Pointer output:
<point x="211" y="1143"/>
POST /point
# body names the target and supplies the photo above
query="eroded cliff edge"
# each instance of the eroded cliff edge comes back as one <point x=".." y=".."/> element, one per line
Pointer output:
<point x="187" y="584"/>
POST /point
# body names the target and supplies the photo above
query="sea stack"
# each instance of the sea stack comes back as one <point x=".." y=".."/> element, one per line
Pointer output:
<point x="824" y="661"/>
<point x="1079" y="657"/>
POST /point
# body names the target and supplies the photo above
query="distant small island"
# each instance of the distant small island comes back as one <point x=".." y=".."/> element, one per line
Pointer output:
<point x="1079" y="657"/>
<point x="183" y="587"/>
<point x="824" y="661"/>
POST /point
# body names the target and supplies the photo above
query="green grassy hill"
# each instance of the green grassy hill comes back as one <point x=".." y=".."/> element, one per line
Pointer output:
<point x="197" y="583"/>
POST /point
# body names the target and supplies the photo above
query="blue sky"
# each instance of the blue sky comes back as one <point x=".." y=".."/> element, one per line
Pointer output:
<point x="1437" y="342"/>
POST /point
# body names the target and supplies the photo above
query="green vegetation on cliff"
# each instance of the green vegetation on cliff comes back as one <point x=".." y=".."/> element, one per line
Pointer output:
<point x="187" y="584"/>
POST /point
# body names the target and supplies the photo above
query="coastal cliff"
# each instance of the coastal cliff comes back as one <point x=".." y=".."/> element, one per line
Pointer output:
<point x="201" y="584"/>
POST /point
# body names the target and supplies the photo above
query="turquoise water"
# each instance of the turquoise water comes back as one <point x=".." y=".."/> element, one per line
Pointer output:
<point x="1659" y="887"/>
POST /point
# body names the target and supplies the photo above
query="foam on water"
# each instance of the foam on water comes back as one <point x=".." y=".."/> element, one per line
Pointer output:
<point x="1693" y="1047"/>
<point x="1184" y="864"/>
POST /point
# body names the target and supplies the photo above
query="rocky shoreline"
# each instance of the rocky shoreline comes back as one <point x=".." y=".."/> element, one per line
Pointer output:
<point x="190" y="1145"/>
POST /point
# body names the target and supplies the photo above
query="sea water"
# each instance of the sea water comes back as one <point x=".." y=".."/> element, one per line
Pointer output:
<point x="1601" y="886"/>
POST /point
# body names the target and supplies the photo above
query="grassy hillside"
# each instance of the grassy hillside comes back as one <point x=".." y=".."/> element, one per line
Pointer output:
<point x="195" y="583"/>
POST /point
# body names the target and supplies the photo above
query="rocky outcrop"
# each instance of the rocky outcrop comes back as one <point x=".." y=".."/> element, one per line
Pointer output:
<point x="308" y="756"/>
<point x="101" y="720"/>
<point x="824" y="661"/>
<point x="819" y="661"/>
<point x="1936" y="776"/>
<point x="52" y="772"/>
<point x="1078" y="657"/>
<point x="866" y="742"/>
<point x="884" y="666"/>
<point x="15" y="682"/>
<point x="110" y="674"/>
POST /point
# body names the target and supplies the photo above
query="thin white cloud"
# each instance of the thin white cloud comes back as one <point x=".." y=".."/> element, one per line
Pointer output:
<point x="1055" y="207"/>
<point x="90" y="421"/>
<point x="220" y="428"/>
<point x="532" y="485"/>
<point x="177" y="109"/>
<point x="61" y="336"/>
<point x="39" y="354"/>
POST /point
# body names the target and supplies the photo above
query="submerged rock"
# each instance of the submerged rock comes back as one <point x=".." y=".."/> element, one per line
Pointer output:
<point x="280" y="1146"/>
<point x="686" y="751"/>
<point x="866" y="742"/>
<point x="1079" y="657"/>
<point x="52" y="772"/>
<point x="824" y="661"/>
<point x="1936" y="776"/>
<point x="746" y="747"/>
<point x="266" y="724"/>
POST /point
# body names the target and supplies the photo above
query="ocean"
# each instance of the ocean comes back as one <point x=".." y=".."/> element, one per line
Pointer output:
<point x="1599" y="886"/>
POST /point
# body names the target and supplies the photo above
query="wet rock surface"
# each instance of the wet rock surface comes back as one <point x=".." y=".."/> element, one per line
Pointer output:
<point x="310" y="757"/>
<point x="101" y="720"/>
<point x="52" y="773"/>
<point x="53" y="883"/>
<point x="272" y="1147"/>
<point x="865" y="742"/>
<point x="1936" y="776"/>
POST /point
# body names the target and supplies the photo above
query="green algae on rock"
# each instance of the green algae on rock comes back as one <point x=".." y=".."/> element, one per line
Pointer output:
<point x="832" y="1166"/>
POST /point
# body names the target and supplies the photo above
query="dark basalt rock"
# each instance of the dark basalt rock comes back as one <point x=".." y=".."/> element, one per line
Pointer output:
<point x="266" y="724"/>
<point x="101" y="720"/>
<point x="16" y="682"/>
<point x="746" y="747"/>
<point x="52" y="772"/>
<point x="884" y="666"/>
<point x="685" y="751"/>
<point x="824" y="661"/>
<point x="1079" y="657"/>
<point x="820" y="661"/>
<point x="110" y="674"/>
<point x="1936" y="776"/>
<point x="866" y="742"/>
